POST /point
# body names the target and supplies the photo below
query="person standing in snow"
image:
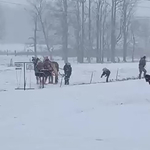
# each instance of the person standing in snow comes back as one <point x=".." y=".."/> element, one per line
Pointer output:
<point x="106" y="73"/>
<point x="142" y="64"/>
<point x="67" y="71"/>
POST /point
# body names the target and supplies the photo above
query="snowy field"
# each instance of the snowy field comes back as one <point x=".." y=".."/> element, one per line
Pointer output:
<point x="81" y="72"/>
<point x="111" y="116"/>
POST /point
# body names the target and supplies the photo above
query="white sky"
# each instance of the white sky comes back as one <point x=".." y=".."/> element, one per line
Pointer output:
<point x="14" y="1"/>
<point x="140" y="11"/>
<point x="143" y="8"/>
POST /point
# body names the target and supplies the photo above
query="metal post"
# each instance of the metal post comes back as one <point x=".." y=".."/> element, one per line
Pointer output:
<point x="24" y="76"/>
<point x="24" y="71"/>
<point x="91" y="78"/>
<point x="117" y="74"/>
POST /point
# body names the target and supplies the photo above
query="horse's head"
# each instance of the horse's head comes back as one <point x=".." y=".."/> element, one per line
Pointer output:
<point x="35" y="60"/>
<point x="38" y="64"/>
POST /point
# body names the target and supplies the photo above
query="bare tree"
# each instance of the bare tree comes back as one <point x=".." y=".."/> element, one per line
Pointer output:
<point x="105" y="30"/>
<point x="102" y="17"/>
<point x="34" y="16"/>
<point x="139" y="36"/>
<point x="65" y="29"/>
<point x="127" y="13"/>
<point x="73" y="21"/>
<point x="114" y="37"/>
<point x="82" y="31"/>
<point x="98" y="6"/>
<point x="90" y="42"/>
<point x="61" y="14"/>
<point x="144" y="33"/>
<point x="78" y="30"/>
<point x="77" y="27"/>
<point x="2" y="24"/>
<point x="133" y="39"/>
<point x="40" y="8"/>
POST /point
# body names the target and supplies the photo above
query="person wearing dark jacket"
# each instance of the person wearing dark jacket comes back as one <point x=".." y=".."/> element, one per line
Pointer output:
<point x="106" y="73"/>
<point x="142" y="64"/>
<point x="67" y="72"/>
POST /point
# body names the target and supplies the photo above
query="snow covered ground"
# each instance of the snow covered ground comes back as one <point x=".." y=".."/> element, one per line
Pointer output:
<point x="81" y="72"/>
<point x="111" y="116"/>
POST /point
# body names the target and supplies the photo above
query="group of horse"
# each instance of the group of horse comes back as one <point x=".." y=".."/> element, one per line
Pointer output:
<point x="44" y="70"/>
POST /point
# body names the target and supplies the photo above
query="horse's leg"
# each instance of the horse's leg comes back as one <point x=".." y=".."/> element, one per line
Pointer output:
<point x="56" y="79"/>
<point x="42" y="81"/>
<point x="49" y="79"/>
<point x="52" y="78"/>
<point x="37" y="79"/>
<point x="45" y="80"/>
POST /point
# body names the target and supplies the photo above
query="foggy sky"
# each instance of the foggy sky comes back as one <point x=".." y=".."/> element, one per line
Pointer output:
<point x="18" y="26"/>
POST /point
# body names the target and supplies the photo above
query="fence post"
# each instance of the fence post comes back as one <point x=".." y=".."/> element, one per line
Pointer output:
<point x="91" y="78"/>
<point x="117" y="74"/>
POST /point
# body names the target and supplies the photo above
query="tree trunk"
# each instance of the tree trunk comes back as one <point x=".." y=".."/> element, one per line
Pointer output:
<point x="90" y="45"/>
<point x="45" y="36"/>
<point x="65" y="31"/>
<point x="113" y="28"/>
<point x="100" y="32"/>
<point x="124" y="31"/>
<point x="108" y="53"/>
<point x="97" y="38"/>
<point x="133" y="51"/>
<point x="82" y="38"/>
<point x="124" y="46"/>
<point x="78" y="38"/>
<point x="103" y="36"/>
<point x="35" y="37"/>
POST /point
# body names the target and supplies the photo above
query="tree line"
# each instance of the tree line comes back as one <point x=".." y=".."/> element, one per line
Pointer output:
<point x="104" y="29"/>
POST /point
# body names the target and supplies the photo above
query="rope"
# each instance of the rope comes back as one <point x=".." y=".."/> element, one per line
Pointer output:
<point x="110" y="81"/>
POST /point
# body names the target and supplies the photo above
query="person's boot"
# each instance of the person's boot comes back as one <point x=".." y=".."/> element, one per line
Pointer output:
<point x="106" y="79"/>
<point x="65" y="82"/>
<point x="49" y="81"/>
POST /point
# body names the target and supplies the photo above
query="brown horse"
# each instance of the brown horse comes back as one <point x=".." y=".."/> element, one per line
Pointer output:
<point x="49" y="68"/>
<point x="39" y="73"/>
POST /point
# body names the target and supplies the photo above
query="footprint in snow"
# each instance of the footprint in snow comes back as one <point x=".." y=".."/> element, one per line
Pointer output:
<point x="99" y="140"/>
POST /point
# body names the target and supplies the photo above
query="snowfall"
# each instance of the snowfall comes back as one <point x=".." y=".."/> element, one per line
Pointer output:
<point x="102" y="116"/>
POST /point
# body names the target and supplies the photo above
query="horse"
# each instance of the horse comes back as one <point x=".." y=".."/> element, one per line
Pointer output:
<point x="48" y="68"/>
<point x="39" y="73"/>
<point x="53" y="68"/>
